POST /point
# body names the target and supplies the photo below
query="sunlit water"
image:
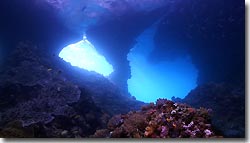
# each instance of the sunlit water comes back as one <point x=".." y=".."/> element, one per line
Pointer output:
<point x="84" y="55"/>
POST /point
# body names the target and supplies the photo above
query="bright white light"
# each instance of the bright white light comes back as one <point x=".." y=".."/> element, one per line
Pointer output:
<point x="84" y="55"/>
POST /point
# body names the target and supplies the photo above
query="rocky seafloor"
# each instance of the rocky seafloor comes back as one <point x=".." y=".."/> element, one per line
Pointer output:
<point x="43" y="96"/>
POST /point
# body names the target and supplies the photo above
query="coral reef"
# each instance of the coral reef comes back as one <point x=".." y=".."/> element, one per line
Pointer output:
<point x="165" y="119"/>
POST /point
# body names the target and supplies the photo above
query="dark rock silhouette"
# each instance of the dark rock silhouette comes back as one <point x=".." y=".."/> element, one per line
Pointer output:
<point x="227" y="103"/>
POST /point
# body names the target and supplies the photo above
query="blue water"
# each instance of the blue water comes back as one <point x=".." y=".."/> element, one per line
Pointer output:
<point x="159" y="80"/>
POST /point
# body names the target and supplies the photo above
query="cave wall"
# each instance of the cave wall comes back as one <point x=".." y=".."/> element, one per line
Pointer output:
<point x="114" y="38"/>
<point x="212" y="32"/>
<point x="34" y="21"/>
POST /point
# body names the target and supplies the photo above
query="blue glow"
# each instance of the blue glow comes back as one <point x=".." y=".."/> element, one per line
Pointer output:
<point x="161" y="80"/>
<point x="84" y="55"/>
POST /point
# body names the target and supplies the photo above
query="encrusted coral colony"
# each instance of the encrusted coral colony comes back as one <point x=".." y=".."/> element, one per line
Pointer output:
<point x="165" y="119"/>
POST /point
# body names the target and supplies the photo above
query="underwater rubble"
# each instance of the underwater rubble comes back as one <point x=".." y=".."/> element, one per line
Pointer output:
<point x="165" y="119"/>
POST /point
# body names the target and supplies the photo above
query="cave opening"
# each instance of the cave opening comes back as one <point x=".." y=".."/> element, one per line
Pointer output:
<point x="163" y="79"/>
<point x="149" y="80"/>
<point x="84" y="55"/>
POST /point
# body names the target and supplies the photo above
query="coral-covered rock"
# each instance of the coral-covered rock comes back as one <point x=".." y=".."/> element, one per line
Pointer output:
<point x="165" y="119"/>
<point x="134" y="124"/>
<point x="38" y="93"/>
<point x="105" y="94"/>
<point x="101" y="134"/>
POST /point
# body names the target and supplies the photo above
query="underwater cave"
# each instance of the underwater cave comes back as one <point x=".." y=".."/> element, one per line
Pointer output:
<point x="111" y="68"/>
<point x="149" y="81"/>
